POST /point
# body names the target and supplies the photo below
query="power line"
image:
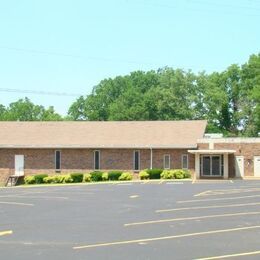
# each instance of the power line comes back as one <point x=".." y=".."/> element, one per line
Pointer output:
<point x="199" y="9"/>
<point x="43" y="52"/>
<point x="36" y="92"/>
<point x="48" y="53"/>
<point x="204" y="2"/>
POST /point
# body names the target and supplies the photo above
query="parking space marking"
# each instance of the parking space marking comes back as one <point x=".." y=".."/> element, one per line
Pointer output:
<point x="145" y="240"/>
<point x="226" y="192"/>
<point x="124" y="184"/>
<point x="209" y="207"/>
<point x="174" y="183"/>
<point x="201" y="193"/>
<point x="8" y="232"/>
<point x="230" y="256"/>
<point x="16" y="203"/>
<point x="40" y="197"/>
<point x="133" y="196"/>
<point x="211" y="181"/>
<point x="218" y="199"/>
<point x="192" y="218"/>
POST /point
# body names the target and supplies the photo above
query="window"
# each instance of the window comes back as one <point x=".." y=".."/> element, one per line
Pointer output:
<point x="96" y="160"/>
<point x="136" y="160"/>
<point x="185" y="161"/>
<point x="166" y="161"/>
<point x="57" y="161"/>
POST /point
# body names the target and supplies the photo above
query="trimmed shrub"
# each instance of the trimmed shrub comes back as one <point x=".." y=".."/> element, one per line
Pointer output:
<point x="105" y="176"/>
<point x="29" y="180"/>
<point x="96" y="176"/>
<point x="126" y="176"/>
<point x="77" y="177"/>
<point x="178" y="174"/>
<point x="49" y="179"/>
<point x="166" y="174"/>
<point x="39" y="178"/>
<point x="143" y="175"/>
<point x="154" y="173"/>
<point x="187" y="174"/>
<point x="87" y="177"/>
<point x="114" y="175"/>
<point x="68" y="179"/>
<point x="58" y="178"/>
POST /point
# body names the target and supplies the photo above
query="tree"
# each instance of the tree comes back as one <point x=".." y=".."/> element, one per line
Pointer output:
<point x="25" y="110"/>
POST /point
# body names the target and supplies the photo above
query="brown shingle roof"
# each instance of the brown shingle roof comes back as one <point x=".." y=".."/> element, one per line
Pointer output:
<point x="111" y="134"/>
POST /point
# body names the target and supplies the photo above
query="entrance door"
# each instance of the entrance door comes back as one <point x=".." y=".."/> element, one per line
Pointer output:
<point x="211" y="165"/>
<point x="257" y="166"/>
<point x="239" y="166"/>
<point x="19" y="165"/>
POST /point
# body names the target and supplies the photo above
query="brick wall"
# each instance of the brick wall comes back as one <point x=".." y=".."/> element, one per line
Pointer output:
<point x="248" y="150"/>
<point x="82" y="160"/>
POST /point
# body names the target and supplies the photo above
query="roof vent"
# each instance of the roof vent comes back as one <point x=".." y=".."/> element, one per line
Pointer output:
<point x="212" y="135"/>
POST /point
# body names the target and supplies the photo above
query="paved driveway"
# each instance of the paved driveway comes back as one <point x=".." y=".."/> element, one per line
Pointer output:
<point x="151" y="220"/>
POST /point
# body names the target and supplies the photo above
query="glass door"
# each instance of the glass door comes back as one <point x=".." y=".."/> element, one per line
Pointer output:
<point x="211" y="165"/>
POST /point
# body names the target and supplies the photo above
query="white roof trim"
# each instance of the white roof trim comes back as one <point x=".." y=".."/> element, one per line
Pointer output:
<point x="230" y="140"/>
<point x="211" y="151"/>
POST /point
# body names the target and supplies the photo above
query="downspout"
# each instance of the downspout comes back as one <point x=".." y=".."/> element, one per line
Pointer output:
<point x="151" y="158"/>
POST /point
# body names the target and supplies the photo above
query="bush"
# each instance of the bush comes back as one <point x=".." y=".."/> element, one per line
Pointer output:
<point x="143" y="175"/>
<point x="49" y="179"/>
<point x="187" y="174"/>
<point x="39" y="178"/>
<point x="96" y="176"/>
<point x="87" y="177"/>
<point x="126" y="176"/>
<point x="76" y="177"/>
<point x="68" y="179"/>
<point x="29" y="180"/>
<point x="59" y="178"/>
<point x="178" y="174"/>
<point x="167" y="174"/>
<point x="114" y="175"/>
<point x="105" y="176"/>
<point x="154" y="173"/>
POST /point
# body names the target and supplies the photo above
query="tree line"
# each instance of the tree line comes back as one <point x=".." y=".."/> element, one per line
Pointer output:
<point x="229" y="100"/>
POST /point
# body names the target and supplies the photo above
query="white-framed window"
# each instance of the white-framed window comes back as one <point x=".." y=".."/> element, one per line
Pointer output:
<point x="57" y="160"/>
<point x="166" y="161"/>
<point x="185" y="161"/>
<point x="96" y="160"/>
<point x="136" y="160"/>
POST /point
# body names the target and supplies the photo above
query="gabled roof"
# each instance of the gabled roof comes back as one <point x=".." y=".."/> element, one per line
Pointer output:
<point x="110" y="134"/>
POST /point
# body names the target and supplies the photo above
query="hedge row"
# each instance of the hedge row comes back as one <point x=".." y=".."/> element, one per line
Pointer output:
<point x="78" y="177"/>
<point x="107" y="176"/>
<point x="164" y="174"/>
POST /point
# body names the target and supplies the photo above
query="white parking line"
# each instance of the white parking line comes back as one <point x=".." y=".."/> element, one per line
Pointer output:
<point x="218" y="199"/>
<point x="230" y="256"/>
<point x="173" y="183"/>
<point x="133" y="196"/>
<point x="145" y="240"/>
<point x="8" y="232"/>
<point x="159" y="221"/>
<point x="209" y="207"/>
<point x="16" y="203"/>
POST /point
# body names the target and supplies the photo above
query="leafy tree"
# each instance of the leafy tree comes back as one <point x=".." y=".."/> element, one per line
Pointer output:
<point x="25" y="110"/>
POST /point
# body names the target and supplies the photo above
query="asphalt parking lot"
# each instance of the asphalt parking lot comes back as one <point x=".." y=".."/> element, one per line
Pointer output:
<point x="150" y="220"/>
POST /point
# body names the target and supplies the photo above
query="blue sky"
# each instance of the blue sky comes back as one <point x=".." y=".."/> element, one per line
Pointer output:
<point x="71" y="45"/>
